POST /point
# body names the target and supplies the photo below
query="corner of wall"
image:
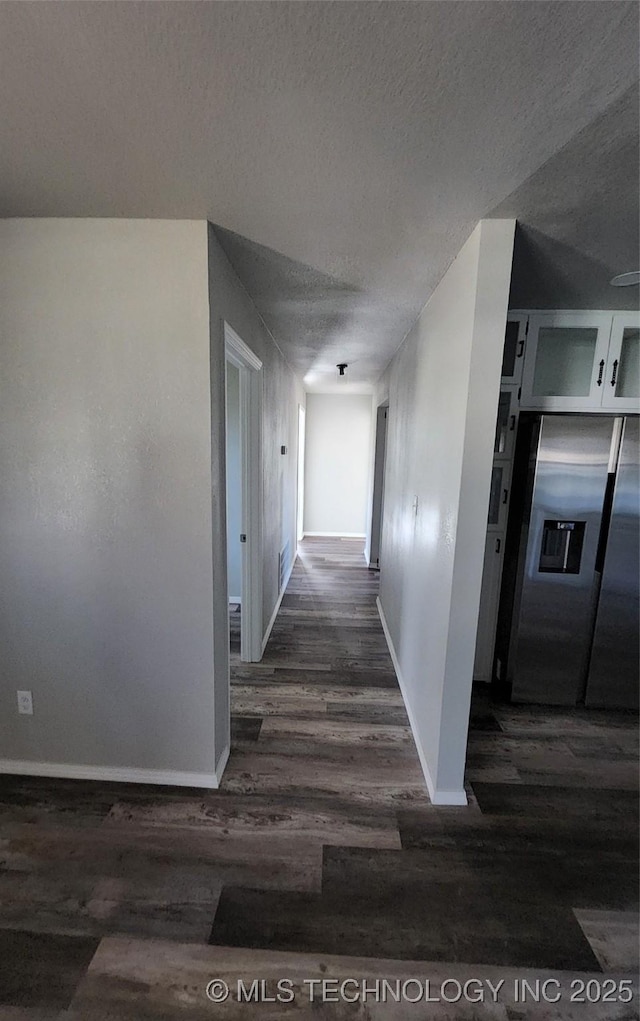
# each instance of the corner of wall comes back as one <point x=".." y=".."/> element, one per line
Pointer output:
<point x="437" y="796"/>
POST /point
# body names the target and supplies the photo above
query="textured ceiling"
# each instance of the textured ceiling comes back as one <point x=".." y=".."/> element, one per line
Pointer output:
<point x="355" y="144"/>
<point x="579" y="218"/>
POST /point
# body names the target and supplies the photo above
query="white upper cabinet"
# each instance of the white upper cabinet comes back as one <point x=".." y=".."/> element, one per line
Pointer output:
<point x="581" y="361"/>
<point x="622" y="382"/>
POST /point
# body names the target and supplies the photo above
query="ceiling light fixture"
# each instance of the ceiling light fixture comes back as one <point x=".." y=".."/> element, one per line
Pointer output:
<point x="341" y="368"/>
<point x="626" y="279"/>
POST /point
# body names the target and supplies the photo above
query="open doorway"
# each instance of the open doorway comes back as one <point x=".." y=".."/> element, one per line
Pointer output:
<point x="300" y="498"/>
<point x="234" y="504"/>
<point x="378" y="486"/>
<point x="243" y="417"/>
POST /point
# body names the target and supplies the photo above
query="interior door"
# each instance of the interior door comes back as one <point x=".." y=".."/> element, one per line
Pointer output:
<point x="378" y="486"/>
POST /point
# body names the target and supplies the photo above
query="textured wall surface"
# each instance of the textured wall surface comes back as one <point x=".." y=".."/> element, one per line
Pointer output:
<point x="234" y="484"/>
<point x="281" y="394"/>
<point x="443" y="393"/>
<point x="337" y="463"/>
<point x="105" y="504"/>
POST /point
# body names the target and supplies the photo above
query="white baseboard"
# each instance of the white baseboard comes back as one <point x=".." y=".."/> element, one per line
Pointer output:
<point x="277" y="606"/>
<point x="222" y="763"/>
<point x="336" y="535"/>
<point x="438" y="797"/>
<point x="112" y="774"/>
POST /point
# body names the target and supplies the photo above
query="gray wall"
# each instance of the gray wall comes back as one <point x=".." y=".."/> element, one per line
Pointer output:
<point x="337" y="463"/>
<point x="443" y="395"/>
<point x="281" y="395"/>
<point x="234" y="484"/>
<point x="106" y="599"/>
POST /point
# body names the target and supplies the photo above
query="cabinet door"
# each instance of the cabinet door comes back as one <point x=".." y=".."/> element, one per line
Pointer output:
<point x="499" y="496"/>
<point x="622" y="377"/>
<point x="513" y="353"/>
<point x="506" y="423"/>
<point x="566" y="361"/>
<point x="488" y="615"/>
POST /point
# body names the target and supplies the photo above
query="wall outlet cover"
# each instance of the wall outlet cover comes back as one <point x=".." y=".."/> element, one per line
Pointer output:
<point x="25" y="703"/>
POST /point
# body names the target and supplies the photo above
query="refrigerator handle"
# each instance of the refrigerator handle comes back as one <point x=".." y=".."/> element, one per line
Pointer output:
<point x="607" y="509"/>
<point x="616" y="440"/>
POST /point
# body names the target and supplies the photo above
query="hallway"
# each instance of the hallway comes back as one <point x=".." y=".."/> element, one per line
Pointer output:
<point x="320" y="724"/>
<point x="321" y="855"/>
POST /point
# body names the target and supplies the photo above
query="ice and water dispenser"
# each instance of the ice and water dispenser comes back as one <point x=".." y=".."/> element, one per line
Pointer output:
<point x="561" y="549"/>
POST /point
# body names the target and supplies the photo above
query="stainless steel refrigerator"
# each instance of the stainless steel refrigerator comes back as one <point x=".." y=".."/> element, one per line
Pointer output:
<point x="575" y="629"/>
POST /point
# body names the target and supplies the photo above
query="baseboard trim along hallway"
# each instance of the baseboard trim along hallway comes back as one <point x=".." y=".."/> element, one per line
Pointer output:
<point x="437" y="797"/>
<point x="112" y="774"/>
<point x="334" y="535"/>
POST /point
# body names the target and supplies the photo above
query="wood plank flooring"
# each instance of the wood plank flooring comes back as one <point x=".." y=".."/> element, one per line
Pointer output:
<point x="321" y="855"/>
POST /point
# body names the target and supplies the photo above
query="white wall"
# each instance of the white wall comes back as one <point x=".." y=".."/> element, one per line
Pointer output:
<point x="282" y="392"/>
<point x="337" y="463"/>
<point x="443" y="390"/>
<point x="105" y="506"/>
<point x="234" y="485"/>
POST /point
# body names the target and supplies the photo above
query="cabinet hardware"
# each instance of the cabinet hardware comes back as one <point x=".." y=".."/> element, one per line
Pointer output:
<point x="498" y="545"/>
<point x="505" y="495"/>
<point x="615" y="372"/>
<point x="243" y="537"/>
<point x="600" y="372"/>
<point x="513" y="423"/>
<point x="520" y="349"/>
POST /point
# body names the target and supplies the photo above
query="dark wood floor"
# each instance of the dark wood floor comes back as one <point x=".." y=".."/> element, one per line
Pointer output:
<point x="321" y="854"/>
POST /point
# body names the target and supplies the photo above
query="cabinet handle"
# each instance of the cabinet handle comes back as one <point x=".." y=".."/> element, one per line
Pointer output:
<point x="498" y="545"/>
<point x="600" y="372"/>
<point x="615" y="373"/>
<point x="513" y="423"/>
<point x="520" y="349"/>
<point x="505" y="495"/>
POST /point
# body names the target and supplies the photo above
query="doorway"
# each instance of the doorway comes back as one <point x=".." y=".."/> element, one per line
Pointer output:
<point x="377" y="507"/>
<point x="243" y="419"/>
<point x="300" y="502"/>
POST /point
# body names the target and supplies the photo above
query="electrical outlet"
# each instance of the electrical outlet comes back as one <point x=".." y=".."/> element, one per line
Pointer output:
<point x="25" y="703"/>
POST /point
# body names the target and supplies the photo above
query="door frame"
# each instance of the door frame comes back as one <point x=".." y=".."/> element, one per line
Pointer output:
<point x="302" y="425"/>
<point x="377" y="497"/>
<point x="251" y="384"/>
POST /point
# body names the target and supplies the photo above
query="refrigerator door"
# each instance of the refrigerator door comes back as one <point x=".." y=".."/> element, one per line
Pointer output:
<point x="553" y="636"/>
<point x="615" y="659"/>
